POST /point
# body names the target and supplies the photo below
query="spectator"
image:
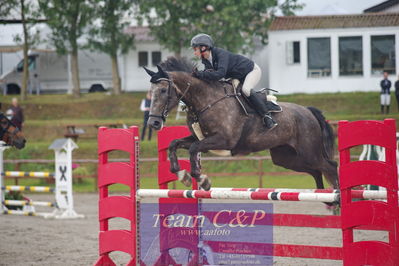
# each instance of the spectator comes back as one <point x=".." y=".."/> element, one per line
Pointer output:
<point x="397" y="91"/>
<point x="385" y="93"/>
<point x="145" y="107"/>
<point x="16" y="114"/>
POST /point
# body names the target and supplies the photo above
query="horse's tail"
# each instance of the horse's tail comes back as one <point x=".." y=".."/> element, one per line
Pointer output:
<point x="327" y="133"/>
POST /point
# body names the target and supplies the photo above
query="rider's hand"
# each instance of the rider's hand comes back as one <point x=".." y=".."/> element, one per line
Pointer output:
<point x="197" y="74"/>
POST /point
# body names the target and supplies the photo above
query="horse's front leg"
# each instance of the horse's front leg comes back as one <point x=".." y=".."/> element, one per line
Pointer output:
<point x="215" y="142"/>
<point x="183" y="143"/>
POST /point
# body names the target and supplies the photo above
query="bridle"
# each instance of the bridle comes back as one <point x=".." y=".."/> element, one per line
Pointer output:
<point x="4" y="130"/>
<point x="165" y="111"/>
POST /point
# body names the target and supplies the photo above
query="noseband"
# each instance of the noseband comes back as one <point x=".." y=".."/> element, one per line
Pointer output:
<point x="165" y="111"/>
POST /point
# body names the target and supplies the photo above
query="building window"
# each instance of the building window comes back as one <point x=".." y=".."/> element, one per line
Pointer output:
<point x="383" y="54"/>
<point x="297" y="56"/>
<point x="293" y="52"/>
<point x="156" y="58"/>
<point x="143" y="59"/>
<point x="350" y="56"/>
<point x="319" y="57"/>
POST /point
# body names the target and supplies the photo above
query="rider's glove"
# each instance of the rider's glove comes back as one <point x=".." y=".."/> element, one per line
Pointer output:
<point x="198" y="74"/>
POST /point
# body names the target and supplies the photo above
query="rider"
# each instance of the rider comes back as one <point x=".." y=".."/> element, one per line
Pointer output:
<point x="228" y="65"/>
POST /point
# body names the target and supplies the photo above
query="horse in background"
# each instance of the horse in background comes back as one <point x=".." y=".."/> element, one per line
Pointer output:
<point x="10" y="134"/>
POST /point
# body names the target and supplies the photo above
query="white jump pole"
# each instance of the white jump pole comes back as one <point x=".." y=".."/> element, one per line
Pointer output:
<point x="3" y="147"/>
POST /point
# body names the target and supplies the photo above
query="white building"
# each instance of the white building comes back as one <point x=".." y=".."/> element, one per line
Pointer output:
<point x="147" y="52"/>
<point x="341" y="53"/>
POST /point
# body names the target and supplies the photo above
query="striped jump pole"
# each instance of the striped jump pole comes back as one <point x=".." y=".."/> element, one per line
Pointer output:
<point x="356" y="194"/>
<point x="29" y="203"/>
<point x="27" y="174"/>
<point x="28" y="188"/>
<point x="238" y="195"/>
<point x="26" y="213"/>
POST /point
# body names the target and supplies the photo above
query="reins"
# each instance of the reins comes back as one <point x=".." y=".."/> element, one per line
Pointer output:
<point x="165" y="111"/>
<point x="226" y="95"/>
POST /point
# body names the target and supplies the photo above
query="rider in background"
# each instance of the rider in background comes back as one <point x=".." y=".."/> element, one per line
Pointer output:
<point x="228" y="65"/>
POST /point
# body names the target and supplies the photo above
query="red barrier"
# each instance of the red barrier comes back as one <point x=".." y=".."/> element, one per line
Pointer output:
<point x="110" y="173"/>
<point x="355" y="215"/>
<point x="378" y="215"/>
<point x="168" y="134"/>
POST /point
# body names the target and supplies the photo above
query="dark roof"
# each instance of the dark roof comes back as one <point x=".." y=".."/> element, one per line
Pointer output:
<point x="141" y="33"/>
<point x="19" y="21"/>
<point x="335" y="21"/>
<point x="381" y="6"/>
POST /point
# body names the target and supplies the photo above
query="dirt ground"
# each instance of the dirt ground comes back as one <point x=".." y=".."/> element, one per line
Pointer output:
<point x="38" y="241"/>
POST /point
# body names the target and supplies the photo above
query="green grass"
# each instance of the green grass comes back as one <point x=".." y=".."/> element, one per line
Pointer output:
<point x="47" y="115"/>
<point x="287" y="181"/>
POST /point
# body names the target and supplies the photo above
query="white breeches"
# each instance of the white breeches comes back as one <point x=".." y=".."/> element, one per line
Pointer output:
<point x="251" y="80"/>
<point x="385" y="99"/>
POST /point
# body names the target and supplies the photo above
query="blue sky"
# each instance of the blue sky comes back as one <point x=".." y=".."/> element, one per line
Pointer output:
<point x="329" y="7"/>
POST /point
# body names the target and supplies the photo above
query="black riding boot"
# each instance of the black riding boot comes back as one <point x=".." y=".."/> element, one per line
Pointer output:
<point x="258" y="101"/>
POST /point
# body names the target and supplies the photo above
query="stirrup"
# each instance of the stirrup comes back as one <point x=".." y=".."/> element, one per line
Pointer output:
<point x="273" y="107"/>
<point x="269" y="122"/>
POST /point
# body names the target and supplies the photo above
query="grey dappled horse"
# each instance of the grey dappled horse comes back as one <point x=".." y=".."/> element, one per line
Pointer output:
<point x="303" y="141"/>
<point x="10" y="134"/>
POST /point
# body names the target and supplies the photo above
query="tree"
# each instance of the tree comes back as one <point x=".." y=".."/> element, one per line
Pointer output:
<point x="27" y="10"/>
<point x="172" y="22"/>
<point x="232" y="23"/>
<point x="67" y="20"/>
<point x="107" y="34"/>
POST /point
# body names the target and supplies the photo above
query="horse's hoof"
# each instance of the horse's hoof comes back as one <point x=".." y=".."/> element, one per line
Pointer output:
<point x="184" y="177"/>
<point x="204" y="182"/>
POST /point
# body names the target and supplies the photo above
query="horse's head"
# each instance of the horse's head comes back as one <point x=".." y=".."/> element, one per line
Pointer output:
<point x="164" y="97"/>
<point x="10" y="134"/>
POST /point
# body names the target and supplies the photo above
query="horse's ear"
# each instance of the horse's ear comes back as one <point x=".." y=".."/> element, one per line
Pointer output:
<point x="149" y="72"/>
<point x="162" y="72"/>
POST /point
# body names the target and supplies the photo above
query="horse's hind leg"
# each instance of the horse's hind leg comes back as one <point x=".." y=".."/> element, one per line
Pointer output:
<point x="318" y="177"/>
<point x="287" y="157"/>
<point x="331" y="173"/>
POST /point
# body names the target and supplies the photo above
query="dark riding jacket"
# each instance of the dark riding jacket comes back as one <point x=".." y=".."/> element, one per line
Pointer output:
<point x="385" y="86"/>
<point x="17" y="117"/>
<point x="226" y="65"/>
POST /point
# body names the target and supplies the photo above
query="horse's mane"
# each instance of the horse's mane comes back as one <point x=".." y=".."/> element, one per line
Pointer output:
<point x="178" y="64"/>
<point x="183" y="64"/>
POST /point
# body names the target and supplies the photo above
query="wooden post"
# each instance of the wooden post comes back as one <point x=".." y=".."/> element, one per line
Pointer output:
<point x="17" y="168"/>
<point x="260" y="172"/>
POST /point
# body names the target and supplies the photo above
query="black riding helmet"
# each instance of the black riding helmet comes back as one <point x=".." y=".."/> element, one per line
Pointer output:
<point x="202" y="39"/>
